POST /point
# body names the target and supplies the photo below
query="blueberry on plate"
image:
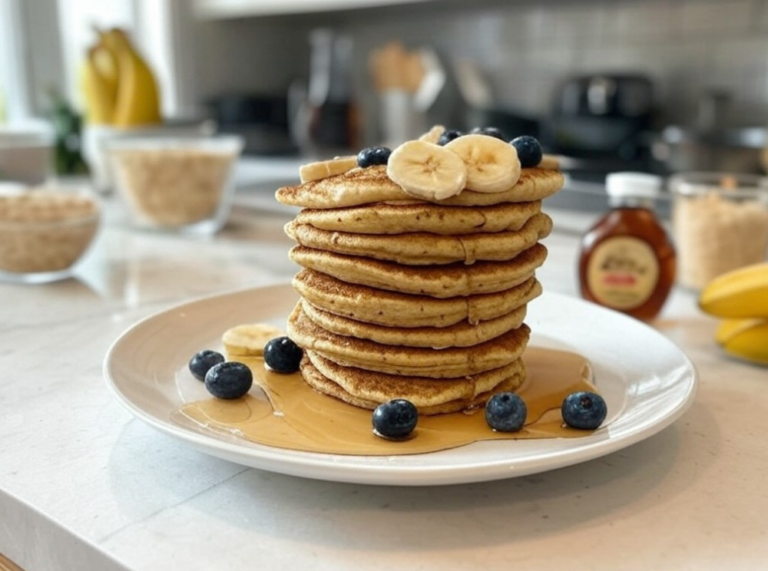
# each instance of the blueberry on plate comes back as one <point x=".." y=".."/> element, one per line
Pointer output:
<point x="229" y="380"/>
<point x="528" y="151"/>
<point x="448" y="136"/>
<point x="282" y="355"/>
<point x="203" y="361"/>
<point x="395" y="419"/>
<point x="505" y="412"/>
<point x="373" y="156"/>
<point x="584" y="410"/>
<point x="490" y="132"/>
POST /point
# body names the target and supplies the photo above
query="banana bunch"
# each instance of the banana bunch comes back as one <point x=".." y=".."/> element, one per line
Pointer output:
<point x="118" y="86"/>
<point x="740" y="297"/>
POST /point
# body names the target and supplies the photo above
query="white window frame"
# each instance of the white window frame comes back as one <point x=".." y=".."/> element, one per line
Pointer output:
<point x="14" y="78"/>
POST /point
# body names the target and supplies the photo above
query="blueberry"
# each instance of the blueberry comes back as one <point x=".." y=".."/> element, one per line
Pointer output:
<point x="202" y="361"/>
<point x="282" y="355"/>
<point x="505" y="412"/>
<point x="395" y="419"/>
<point x="584" y="410"/>
<point x="229" y="380"/>
<point x="528" y="151"/>
<point x="373" y="156"/>
<point x="448" y="136"/>
<point x="490" y="132"/>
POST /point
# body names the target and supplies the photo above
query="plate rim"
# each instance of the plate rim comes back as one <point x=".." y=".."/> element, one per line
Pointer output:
<point x="295" y="463"/>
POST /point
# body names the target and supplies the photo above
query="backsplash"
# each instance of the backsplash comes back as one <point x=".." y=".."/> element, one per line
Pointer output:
<point x="526" y="48"/>
<point x="686" y="46"/>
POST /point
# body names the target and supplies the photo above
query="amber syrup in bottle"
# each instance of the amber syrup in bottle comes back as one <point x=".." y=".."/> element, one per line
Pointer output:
<point x="627" y="261"/>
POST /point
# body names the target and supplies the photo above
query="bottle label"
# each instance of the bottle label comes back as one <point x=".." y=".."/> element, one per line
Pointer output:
<point x="623" y="272"/>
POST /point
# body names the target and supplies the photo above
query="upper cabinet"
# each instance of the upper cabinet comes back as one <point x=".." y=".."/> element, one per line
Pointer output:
<point x="215" y="9"/>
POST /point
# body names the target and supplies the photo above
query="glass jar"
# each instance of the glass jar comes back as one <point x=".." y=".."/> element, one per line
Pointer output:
<point x="719" y="224"/>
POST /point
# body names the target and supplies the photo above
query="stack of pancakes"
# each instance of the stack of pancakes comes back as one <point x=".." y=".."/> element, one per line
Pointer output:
<point x="404" y="298"/>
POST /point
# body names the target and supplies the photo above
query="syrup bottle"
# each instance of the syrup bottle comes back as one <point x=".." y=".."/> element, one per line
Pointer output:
<point x="627" y="261"/>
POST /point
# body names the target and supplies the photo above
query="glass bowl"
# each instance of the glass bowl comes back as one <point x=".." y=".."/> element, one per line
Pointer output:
<point x="719" y="223"/>
<point x="176" y="184"/>
<point x="44" y="233"/>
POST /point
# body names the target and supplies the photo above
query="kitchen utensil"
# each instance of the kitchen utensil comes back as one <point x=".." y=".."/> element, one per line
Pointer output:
<point x="407" y="84"/>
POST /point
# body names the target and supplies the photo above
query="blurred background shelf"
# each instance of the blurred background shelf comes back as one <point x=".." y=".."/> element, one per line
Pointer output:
<point x="215" y="9"/>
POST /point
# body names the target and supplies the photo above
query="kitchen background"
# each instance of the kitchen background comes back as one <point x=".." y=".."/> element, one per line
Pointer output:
<point x="505" y="61"/>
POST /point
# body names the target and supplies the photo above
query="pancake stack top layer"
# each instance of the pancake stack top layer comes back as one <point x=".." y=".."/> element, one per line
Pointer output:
<point x="416" y="274"/>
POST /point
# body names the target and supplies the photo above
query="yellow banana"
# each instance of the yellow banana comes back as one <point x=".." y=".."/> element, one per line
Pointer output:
<point x="99" y="87"/>
<point x="738" y="294"/>
<point x="745" y="339"/>
<point x="138" y="96"/>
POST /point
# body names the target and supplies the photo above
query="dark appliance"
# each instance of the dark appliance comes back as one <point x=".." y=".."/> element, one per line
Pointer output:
<point x="262" y="120"/>
<point x="604" y="118"/>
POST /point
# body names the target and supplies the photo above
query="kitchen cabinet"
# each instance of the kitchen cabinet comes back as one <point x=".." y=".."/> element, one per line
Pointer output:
<point x="220" y="9"/>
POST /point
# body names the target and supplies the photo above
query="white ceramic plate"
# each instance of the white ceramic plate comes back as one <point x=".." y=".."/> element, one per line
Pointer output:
<point x="646" y="380"/>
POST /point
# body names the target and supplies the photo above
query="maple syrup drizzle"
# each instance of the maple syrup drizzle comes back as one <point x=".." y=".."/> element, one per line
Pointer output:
<point x="284" y="412"/>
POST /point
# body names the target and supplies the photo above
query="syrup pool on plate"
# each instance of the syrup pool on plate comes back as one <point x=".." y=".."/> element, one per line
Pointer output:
<point x="283" y="411"/>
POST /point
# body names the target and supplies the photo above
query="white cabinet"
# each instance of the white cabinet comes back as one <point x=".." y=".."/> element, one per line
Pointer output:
<point x="216" y="9"/>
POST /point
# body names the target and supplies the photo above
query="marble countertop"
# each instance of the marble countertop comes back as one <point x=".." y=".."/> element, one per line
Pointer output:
<point x="85" y="485"/>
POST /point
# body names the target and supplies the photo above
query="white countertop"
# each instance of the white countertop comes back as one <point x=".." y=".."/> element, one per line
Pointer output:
<point x="85" y="486"/>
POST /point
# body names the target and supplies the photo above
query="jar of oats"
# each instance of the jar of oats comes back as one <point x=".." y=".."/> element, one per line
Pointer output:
<point x="719" y="222"/>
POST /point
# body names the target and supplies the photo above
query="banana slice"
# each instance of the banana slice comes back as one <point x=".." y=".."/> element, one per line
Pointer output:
<point x="549" y="162"/>
<point x="433" y="135"/>
<point x="326" y="169"/>
<point x="426" y="170"/>
<point x="248" y="340"/>
<point x="492" y="164"/>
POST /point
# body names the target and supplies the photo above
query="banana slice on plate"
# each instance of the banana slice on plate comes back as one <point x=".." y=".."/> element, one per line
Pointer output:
<point x="248" y="340"/>
<point x="433" y="135"/>
<point x="326" y="169"/>
<point x="492" y="164"/>
<point x="427" y="170"/>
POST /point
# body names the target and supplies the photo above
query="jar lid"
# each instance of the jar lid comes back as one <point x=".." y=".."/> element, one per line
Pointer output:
<point x="633" y="185"/>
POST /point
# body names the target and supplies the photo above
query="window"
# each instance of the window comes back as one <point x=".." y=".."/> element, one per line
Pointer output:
<point x="14" y="95"/>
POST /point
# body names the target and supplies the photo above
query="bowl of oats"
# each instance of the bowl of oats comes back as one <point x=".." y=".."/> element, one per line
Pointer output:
<point x="176" y="184"/>
<point x="44" y="232"/>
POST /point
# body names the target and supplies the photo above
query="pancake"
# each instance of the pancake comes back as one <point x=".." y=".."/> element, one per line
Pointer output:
<point x="459" y="335"/>
<point x="399" y="360"/>
<point x="370" y="185"/>
<point x="422" y="249"/>
<point x="407" y="310"/>
<point x="368" y="390"/>
<point x="386" y="218"/>
<point x="426" y="394"/>
<point x="445" y="281"/>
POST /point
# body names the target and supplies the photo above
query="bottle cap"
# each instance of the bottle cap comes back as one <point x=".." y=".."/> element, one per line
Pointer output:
<point x="632" y="185"/>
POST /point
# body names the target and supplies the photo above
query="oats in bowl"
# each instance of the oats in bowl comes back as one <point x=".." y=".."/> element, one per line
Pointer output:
<point x="177" y="184"/>
<point x="43" y="232"/>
